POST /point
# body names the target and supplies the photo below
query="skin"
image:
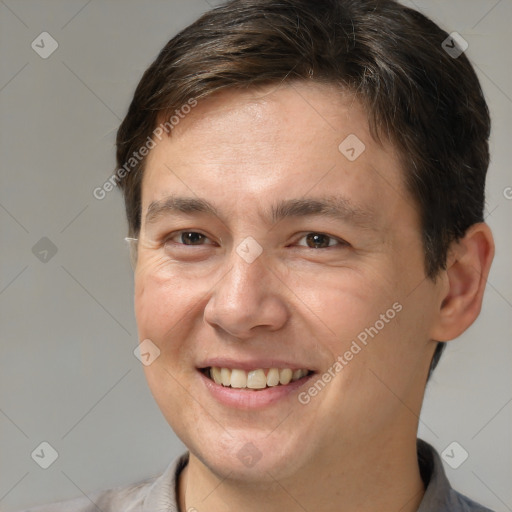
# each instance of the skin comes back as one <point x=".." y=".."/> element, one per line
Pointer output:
<point x="352" y="447"/>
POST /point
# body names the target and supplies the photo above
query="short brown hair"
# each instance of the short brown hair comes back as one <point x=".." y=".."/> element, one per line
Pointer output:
<point x="422" y="99"/>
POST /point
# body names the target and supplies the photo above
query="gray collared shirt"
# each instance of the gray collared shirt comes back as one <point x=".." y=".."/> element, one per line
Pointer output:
<point x="159" y="494"/>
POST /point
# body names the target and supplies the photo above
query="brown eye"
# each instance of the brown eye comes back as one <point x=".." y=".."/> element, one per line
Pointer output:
<point x="192" y="238"/>
<point x="316" y="240"/>
<point x="189" y="238"/>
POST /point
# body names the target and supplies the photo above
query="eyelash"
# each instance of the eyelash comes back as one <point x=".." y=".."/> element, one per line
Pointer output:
<point x="340" y="242"/>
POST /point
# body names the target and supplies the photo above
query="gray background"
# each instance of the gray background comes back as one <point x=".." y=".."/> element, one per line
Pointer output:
<point x="68" y="375"/>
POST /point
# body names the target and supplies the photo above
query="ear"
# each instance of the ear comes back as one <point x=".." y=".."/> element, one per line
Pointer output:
<point x="468" y="265"/>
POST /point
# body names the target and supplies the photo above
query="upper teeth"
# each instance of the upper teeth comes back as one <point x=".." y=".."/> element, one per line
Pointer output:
<point x="255" y="379"/>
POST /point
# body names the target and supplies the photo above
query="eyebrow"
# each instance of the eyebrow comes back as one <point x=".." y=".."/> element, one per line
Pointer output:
<point x="334" y="207"/>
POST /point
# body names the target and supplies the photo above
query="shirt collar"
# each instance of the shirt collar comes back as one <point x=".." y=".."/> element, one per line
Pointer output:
<point x="437" y="488"/>
<point x="163" y="496"/>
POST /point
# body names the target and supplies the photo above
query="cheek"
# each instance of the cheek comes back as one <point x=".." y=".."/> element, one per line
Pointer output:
<point x="367" y="318"/>
<point x="162" y="301"/>
<point x="163" y="309"/>
<point x="343" y="301"/>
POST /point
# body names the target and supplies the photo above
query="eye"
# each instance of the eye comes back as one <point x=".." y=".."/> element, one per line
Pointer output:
<point x="316" y="240"/>
<point x="187" y="238"/>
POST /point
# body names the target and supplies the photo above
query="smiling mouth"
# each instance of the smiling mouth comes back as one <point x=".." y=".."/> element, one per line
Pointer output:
<point x="258" y="379"/>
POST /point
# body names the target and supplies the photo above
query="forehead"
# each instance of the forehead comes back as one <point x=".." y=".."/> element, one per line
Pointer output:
<point x="281" y="140"/>
<point x="277" y="118"/>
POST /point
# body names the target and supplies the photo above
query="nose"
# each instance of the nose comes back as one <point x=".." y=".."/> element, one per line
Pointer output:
<point x="247" y="297"/>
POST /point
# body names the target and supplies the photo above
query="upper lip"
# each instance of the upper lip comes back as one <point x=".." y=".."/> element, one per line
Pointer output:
<point x="251" y="364"/>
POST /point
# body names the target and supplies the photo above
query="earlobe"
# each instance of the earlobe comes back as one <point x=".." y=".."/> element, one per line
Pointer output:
<point x="467" y="271"/>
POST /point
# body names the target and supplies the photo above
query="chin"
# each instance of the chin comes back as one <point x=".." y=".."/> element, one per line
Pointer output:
<point x="265" y="459"/>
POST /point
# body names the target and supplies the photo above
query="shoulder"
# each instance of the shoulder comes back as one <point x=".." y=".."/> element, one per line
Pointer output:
<point x="127" y="498"/>
<point x="464" y="504"/>
<point x="145" y="496"/>
<point x="439" y="495"/>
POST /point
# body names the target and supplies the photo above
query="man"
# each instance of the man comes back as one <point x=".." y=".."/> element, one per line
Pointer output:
<point x="304" y="187"/>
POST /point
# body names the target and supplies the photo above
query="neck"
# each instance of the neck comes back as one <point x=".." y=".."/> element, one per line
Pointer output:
<point x="367" y="477"/>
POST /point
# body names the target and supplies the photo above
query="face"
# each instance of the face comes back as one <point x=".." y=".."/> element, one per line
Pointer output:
<point x="270" y="242"/>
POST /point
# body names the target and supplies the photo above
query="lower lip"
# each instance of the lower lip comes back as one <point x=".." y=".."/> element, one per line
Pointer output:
<point x="252" y="399"/>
